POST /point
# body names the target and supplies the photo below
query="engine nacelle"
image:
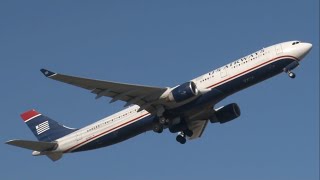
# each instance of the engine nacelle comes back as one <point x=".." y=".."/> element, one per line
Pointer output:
<point x="226" y="113"/>
<point x="183" y="92"/>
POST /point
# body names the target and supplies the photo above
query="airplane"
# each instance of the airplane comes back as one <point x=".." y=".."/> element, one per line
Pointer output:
<point x="184" y="109"/>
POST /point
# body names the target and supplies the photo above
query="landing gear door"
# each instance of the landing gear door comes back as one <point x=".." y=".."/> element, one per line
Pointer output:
<point x="278" y="49"/>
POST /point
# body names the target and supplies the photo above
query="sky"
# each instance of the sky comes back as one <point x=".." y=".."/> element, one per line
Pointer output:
<point x="160" y="43"/>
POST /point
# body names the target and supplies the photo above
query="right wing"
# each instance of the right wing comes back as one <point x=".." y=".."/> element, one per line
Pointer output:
<point x="147" y="97"/>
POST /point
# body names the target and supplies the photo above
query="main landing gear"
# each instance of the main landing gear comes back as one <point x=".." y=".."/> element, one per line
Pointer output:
<point x="158" y="128"/>
<point x="181" y="138"/>
<point x="160" y="124"/>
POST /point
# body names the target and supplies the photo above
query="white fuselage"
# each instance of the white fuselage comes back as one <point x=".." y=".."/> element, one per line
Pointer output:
<point x="100" y="128"/>
<point x="207" y="81"/>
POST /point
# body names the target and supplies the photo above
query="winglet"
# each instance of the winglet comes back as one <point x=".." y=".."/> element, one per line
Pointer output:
<point x="47" y="73"/>
<point x="27" y="116"/>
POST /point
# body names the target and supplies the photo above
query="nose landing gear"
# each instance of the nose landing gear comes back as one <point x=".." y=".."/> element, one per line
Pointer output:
<point x="290" y="67"/>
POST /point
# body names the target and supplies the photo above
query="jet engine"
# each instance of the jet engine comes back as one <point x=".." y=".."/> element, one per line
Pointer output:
<point x="183" y="92"/>
<point x="226" y="113"/>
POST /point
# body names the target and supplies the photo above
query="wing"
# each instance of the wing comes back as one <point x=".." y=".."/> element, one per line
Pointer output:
<point x="146" y="97"/>
<point x="198" y="127"/>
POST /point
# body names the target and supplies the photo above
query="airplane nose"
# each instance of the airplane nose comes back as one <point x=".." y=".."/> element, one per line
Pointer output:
<point x="307" y="47"/>
<point x="304" y="49"/>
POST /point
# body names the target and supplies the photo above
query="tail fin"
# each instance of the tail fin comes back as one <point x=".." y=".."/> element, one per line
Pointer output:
<point x="44" y="128"/>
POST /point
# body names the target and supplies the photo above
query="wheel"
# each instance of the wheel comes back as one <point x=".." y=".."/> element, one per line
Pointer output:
<point x="173" y="130"/>
<point x="162" y="120"/>
<point x="181" y="139"/>
<point x="291" y="75"/>
<point x="188" y="132"/>
<point x="158" y="128"/>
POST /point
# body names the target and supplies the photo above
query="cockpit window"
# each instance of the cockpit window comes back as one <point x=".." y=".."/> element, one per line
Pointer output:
<point x="296" y="42"/>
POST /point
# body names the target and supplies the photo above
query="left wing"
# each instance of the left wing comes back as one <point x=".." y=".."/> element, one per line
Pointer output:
<point x="147" y="97"/>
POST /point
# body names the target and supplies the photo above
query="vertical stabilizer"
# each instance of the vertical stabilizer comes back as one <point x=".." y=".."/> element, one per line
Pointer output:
<point x="44" y="128"/>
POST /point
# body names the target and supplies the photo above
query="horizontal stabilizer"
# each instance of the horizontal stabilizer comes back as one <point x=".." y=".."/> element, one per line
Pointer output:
<point x="34" y="145"/>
